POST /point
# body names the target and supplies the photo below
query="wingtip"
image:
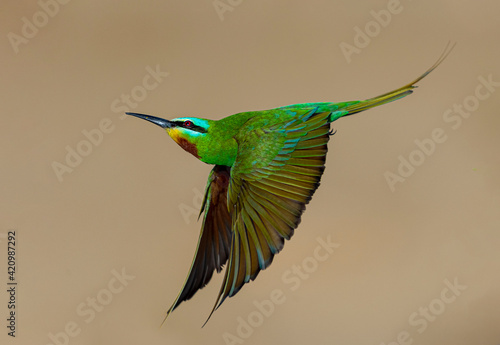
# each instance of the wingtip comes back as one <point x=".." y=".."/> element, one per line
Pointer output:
<point x="166" y="316"/>
<point x="216" y="306"/>
<point x="208" y="318"/>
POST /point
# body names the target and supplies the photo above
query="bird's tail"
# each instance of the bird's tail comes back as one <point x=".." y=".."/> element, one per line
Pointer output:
<point x="356" y="107"/>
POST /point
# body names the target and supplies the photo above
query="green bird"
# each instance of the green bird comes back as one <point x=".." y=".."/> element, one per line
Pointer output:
<point x="268" y="164"/>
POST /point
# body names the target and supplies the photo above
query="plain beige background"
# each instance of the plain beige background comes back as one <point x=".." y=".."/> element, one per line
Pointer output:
<point x="122" y="206"/>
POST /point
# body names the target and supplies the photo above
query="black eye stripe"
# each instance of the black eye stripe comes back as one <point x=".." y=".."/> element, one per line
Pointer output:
<point x="194" y="127"/>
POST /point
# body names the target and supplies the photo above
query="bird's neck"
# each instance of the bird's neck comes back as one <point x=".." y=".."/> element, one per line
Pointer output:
<point x="220" y="147"/>
<point x="219" y="152"/>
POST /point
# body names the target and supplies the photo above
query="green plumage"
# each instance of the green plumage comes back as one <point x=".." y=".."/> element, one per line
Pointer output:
<point x="268" y="164"/>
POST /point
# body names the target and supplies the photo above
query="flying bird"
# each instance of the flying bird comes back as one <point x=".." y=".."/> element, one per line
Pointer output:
<point x="268" y="164"/>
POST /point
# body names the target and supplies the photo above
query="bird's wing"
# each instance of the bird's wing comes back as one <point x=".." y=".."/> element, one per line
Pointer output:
<point x="214" y="242"/>
<point x="276" y="172"/>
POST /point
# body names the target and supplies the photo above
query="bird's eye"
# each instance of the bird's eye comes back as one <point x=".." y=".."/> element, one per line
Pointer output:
<point x="188" y="124"/>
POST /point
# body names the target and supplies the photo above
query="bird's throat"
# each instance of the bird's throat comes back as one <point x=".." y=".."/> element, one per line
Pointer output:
<point x="184" y="143"/>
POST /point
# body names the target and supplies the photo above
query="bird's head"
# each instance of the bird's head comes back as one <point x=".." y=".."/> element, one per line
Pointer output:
<point x="190" y="133"/>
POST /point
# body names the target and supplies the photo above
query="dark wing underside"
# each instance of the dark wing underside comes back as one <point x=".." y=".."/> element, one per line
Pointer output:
<point x="214" y="242"/>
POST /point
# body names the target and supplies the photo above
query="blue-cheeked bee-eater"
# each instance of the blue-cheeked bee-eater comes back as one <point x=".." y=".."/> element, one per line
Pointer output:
<point x="268" y="164"/>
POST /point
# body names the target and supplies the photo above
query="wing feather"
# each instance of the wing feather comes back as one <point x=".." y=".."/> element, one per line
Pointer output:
<point x="214" y="243"/>
<point x="267" y="197"/>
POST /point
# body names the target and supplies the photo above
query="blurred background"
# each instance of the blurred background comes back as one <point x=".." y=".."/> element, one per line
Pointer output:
<point x="104" y="207"/>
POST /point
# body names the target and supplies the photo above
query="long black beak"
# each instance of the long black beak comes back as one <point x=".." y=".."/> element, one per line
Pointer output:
<point x="156" y="120"/>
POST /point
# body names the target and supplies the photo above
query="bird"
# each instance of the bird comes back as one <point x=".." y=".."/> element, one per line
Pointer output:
<point x="267" y="166"/>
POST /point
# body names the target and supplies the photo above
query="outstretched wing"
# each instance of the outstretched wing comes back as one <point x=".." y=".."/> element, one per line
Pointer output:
<point x="276" y="172"/>
<point x="214" y="243"/>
